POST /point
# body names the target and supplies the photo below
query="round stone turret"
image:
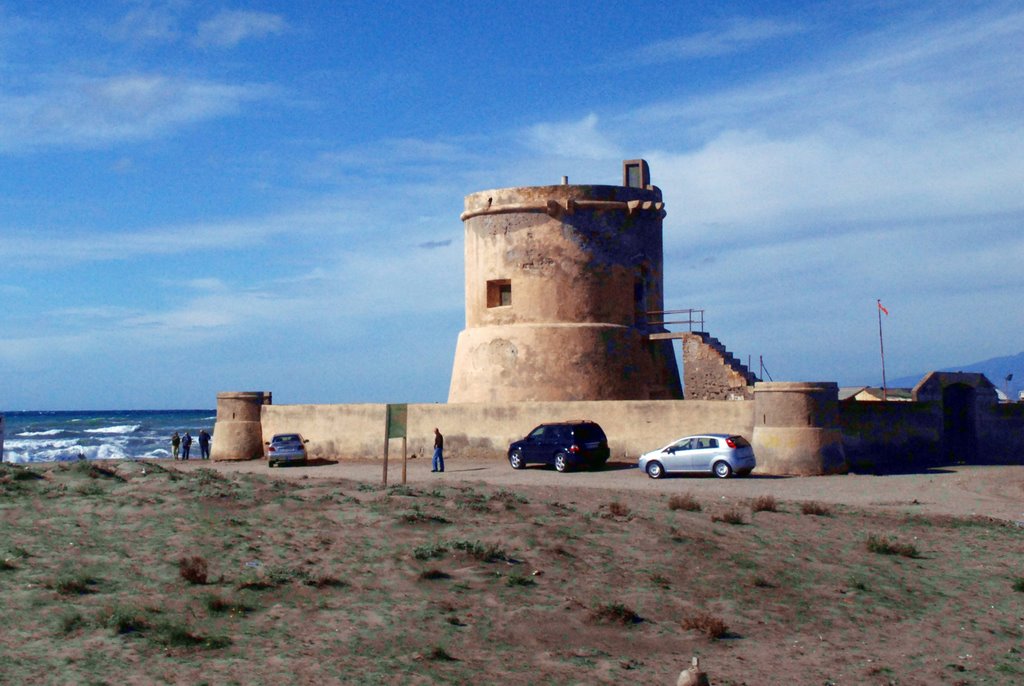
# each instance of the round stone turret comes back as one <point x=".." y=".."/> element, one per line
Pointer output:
<point x="238" y="432"/>
<point x="559" y="283"/>
<point x="796" y="429"/>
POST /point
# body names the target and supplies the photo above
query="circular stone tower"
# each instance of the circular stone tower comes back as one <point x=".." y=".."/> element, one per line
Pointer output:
<point x="796" y="429"/>
<point x="238" y="431"/>
<point x="559" y="284"/>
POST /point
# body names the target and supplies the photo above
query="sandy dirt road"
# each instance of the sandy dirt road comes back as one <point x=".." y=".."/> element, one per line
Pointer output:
<point x="962" y="491"/>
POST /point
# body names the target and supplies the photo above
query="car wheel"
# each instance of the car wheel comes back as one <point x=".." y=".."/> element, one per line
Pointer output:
<point x="655" y="470"/>
<point x="722" y="470"/>
<point x="272" y="464"/>
<point x="516" y="459"/>
<point x="561" y="462"/>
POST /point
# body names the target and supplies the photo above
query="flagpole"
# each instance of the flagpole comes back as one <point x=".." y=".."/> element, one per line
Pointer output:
<point x="881" y="346"/>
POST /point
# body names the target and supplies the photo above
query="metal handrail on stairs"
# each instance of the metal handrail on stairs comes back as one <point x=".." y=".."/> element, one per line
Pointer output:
<point x="659" y="318"/>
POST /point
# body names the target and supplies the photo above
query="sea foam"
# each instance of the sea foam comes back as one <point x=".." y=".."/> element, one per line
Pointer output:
<point x="122" y="429"/>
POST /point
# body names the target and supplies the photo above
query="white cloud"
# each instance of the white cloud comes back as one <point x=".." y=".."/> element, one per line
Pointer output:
<point x="147" y="22"/>
<point x="573" y="139"/>
<point x="90" y="112"/>
<point x="230" y="27"/>
<point x="737" y="35"/>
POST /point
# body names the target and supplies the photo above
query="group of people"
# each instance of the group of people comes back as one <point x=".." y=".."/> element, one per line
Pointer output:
<point x="184" y="444"/>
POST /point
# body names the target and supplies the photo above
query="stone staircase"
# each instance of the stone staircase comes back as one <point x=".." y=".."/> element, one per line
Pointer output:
<point x="710" y="372"/>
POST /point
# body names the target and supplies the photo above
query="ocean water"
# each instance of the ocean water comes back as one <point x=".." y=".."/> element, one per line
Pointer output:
<point x="111" y="435"/>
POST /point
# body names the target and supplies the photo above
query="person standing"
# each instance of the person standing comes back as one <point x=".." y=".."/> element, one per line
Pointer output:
<point x="186" y="445"/>
<point x="175" y="443"/>
<point x="204" y="444"/>
<point x="438" y="462"/>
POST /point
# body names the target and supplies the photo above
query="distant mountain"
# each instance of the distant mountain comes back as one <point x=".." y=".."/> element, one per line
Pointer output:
<point x="995" y="370"/>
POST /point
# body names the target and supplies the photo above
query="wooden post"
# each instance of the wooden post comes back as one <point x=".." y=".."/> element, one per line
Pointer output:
<point x="387" y="440"/>
<point x="405" y="457"/>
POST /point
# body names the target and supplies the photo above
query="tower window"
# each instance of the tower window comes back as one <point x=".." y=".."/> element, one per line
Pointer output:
<point x="499" y="293"/>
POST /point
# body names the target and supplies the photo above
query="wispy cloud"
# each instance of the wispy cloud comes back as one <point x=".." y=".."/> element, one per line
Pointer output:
<point x="83" y="112"/>
<point x="230" y="27"/>
<point x="147" y="22"/>
<point x="572" y="139"/>
<point x="737" y="35"/>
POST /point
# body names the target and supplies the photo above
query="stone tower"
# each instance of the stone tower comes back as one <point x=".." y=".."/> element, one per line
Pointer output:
<point x="560" y="281"/>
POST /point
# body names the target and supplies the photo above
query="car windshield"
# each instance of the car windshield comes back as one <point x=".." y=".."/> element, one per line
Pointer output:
<point x="287" y="438"/>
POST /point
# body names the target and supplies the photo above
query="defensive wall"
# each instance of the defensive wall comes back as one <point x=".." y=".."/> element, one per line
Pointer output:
<point x="796" y="428"/>
<point x="484" y="430"/>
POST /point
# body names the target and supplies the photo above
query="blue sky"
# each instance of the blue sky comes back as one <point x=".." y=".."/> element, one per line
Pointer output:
<point x="200" y="196"/>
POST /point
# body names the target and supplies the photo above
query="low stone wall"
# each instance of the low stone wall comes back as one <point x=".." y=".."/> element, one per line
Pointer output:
<point x="891" y="436"/>
<point x="484" y="430"/>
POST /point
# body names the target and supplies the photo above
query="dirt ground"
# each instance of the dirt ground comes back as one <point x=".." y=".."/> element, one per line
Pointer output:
<point x="960" y="491"/>
<point x="141" y="572"/>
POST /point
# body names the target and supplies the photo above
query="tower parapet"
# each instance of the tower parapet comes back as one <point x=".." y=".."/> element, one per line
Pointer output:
<point x="558" y="283"/>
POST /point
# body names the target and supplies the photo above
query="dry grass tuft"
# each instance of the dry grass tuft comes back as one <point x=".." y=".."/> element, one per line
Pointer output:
<point x="614" y="613"/>
<point x="764" y="503"/>
<point x="434" y="574"/>
<point x="731" y="516"/>
<point x="617" y="509"/>
<point x="685" y="502"/>
<point x="193" y="570"/>
<point x="883" y="546"/>
<point x="439" y="654"/>
<point x="818" y="509"/>
<point x="706" y="623"/>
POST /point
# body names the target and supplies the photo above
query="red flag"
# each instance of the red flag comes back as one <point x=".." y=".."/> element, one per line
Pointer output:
<point x="882" y="308"/>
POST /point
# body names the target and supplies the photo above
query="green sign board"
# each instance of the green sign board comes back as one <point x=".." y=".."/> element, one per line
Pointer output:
<point x="397" y="415"/>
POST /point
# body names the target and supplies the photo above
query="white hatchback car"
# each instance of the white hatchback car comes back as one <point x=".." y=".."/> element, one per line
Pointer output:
<point x="720" y="454"/>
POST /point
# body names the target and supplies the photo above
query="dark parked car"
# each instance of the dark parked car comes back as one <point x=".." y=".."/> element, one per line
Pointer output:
<point x="562" y="444"/>
<point x="286" y="448"/>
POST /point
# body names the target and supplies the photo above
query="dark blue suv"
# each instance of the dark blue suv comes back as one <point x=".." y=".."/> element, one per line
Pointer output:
<point x="562" y="444"/>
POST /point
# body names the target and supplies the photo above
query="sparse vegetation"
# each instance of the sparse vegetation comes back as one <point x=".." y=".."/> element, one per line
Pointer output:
<point x="707" y="624"/>
<point x="615" y="613"/>
<point x="661" y="581"/>
<point x="70" y="622"/>
<point x="125" y="620"/>
<point x="434" y="574"/>
<point x="193" y="569"/>
<point x="387" y="583"/>
<point x="617" y="509"/>
<point x="74" y="583"/>
<point x="817" y="509"/>
<point x="519" y="580"/>
<point x="417" y="516"/>
<point x="764" y="503"/>
<point x="685" y="502"/>
<point x="485" y="552"/>
<point x="439" y="654"/>
<point x="218" y="604"/>
<point x="884" y="546"/>
<point x="730" y="516"/>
